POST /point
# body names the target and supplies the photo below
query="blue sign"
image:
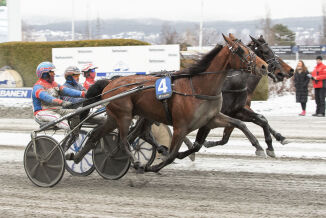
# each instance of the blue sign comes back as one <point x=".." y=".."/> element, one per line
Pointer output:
<point x="295" y="49"/>
<point x="15" y="92"/>
<point x="163" y="88"/>
<point x="323" y="49"/>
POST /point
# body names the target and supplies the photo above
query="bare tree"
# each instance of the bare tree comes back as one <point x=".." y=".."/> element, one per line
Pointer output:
<point x="168" y="34"/>
<point x="190" y="36"/>
<point x="267" y="27"/>
<point x="98" y="27"/>
<point x="27" y="32"/>
<point x="211" y="36"/>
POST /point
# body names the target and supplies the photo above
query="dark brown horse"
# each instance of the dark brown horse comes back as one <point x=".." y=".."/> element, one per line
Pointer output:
<point x="239" y="88"/>
<point x="196" y="102"/>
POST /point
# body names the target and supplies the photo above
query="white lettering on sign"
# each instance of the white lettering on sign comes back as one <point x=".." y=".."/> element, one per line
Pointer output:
<point x="162" y="86"/>
<point x="13" y="93"/>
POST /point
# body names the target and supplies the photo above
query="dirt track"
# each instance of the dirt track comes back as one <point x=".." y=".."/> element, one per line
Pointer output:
<point x="173" y="193"/>
<point x="176" y="192"/>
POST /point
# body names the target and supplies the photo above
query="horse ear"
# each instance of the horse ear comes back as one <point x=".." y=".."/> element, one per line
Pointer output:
<point x="232" y="37"/>
<point x="227" y="39"/>
<point x="254" y="40"/>
<point x="261" y="39"/>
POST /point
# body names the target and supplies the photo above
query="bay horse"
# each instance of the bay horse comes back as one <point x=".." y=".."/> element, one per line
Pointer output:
<point x="237" y="92"/>
<point x="142" y="128"/>
<point x="196" y="100"/>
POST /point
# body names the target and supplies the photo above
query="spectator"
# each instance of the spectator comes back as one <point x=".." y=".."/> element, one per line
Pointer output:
<point x="318" y="76"/>
<point x="301" y="81"/>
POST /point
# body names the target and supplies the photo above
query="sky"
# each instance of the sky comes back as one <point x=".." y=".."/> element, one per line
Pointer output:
<point x="187" y="10"/>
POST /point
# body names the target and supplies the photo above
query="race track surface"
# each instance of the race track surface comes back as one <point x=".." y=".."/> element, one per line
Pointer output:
<point x="175" y="192"/>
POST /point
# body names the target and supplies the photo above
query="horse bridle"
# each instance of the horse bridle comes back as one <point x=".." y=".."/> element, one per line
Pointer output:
<point x="272" y="62"/>
<point x="249" y="59"/>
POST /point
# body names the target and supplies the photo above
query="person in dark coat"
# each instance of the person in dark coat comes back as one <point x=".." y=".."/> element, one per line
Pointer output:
<point x="301" y="81"/>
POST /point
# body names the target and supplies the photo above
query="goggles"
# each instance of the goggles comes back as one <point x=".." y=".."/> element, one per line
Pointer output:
<point x="92" y="70"/>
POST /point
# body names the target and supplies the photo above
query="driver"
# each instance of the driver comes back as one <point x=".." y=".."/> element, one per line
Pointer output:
<point x="72" y="74"/>
<point x="89" y="73"/>
<point x="47" y="104"/>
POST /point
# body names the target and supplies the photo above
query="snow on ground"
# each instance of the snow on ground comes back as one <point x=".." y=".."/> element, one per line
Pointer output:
<point x="15" y="102"/>
<point x="274" y="106"/>
<point x="282" y="106"/>
<point x="234" y="147"/>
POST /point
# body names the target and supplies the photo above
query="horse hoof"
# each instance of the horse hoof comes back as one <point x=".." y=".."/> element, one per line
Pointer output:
<point x="140" y="170"/>
<point x="270" y="153"/>
<point x="208" y="144"/>
<point x="163" y="150"/>
<point x="285" y="141"/>
<point x="192" y="157"/>
<point x="137" y="165"/>
<point x="260" y="153"/>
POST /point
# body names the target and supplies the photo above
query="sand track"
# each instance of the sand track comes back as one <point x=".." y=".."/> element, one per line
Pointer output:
<point x="173" y="193"/>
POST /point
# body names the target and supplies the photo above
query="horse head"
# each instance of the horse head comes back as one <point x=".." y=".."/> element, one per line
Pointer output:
<point x="244" y="58"/>
<point x="277" y="68"/>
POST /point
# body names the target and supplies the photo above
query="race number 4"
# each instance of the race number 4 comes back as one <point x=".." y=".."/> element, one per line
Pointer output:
<point x="163" y="88"/>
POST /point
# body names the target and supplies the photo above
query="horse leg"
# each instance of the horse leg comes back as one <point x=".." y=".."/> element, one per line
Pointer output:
<point x="123" y="122"/>
<point x="250" y="116"/>
<point x="143" y="130"/>
<point x="277" y="135"/>
<point x="98" y="133"/>
<point x="177" y="139"/>
<point x="222" y="120"/>
<point x="200" y="139"/>
<point x="190" y="145"/>
<point x="226" y="136"/>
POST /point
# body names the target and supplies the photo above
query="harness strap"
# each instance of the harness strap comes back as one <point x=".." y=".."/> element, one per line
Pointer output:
<point x="203" y="97"/>
<point x="234" y="91"/>
<point x="167" y="111"/>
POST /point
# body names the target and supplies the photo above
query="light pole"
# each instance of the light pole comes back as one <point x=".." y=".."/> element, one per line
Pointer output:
<point x="201" y="25"/>
<point x="72" y="20"/>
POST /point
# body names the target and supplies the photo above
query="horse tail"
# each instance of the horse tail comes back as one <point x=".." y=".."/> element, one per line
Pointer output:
<point x="93" y="95"/>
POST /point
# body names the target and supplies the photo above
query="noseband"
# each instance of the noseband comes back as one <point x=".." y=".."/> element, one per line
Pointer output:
<point x="249" y="60"/>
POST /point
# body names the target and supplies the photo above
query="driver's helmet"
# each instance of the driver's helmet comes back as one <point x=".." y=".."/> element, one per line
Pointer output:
<point x="71" y="70"/>
<point x="88" y="67"/>
<point x="44" y="67"/>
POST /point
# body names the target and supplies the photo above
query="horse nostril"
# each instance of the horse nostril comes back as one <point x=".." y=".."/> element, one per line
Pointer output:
<point x="263" y="67"/>
<point x="291" y="71"/>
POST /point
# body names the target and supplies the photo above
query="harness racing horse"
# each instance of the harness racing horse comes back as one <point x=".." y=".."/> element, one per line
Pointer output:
<point x="142" y="128"/>
<point x="280" y="68"/>
<point x="196" y="102"/>
<point x="238" y="90"/>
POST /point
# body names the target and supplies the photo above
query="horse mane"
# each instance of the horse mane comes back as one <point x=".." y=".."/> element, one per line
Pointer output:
<point x="202" y="64"/>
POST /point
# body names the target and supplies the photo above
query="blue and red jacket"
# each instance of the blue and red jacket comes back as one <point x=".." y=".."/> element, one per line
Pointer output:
<point x="47" y="94"/>
<point x="76" y="86"/>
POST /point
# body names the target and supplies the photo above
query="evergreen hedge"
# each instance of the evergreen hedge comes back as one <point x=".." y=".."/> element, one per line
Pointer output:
<point x="25" y="56"/>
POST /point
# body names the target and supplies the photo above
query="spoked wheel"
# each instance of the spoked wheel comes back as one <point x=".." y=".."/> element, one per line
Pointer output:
<point x="44" y="163"/>
<point x="110" y="161"/>
<point x="85" y="167"/>
<point x="143" y="151"/>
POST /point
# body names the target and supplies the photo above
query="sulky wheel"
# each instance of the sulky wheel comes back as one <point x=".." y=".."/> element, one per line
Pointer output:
<point x="85" y="167"/>
<point x="143" y="151"/>
<point x="44" y="163"/>
<point x="109" y="160"/>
